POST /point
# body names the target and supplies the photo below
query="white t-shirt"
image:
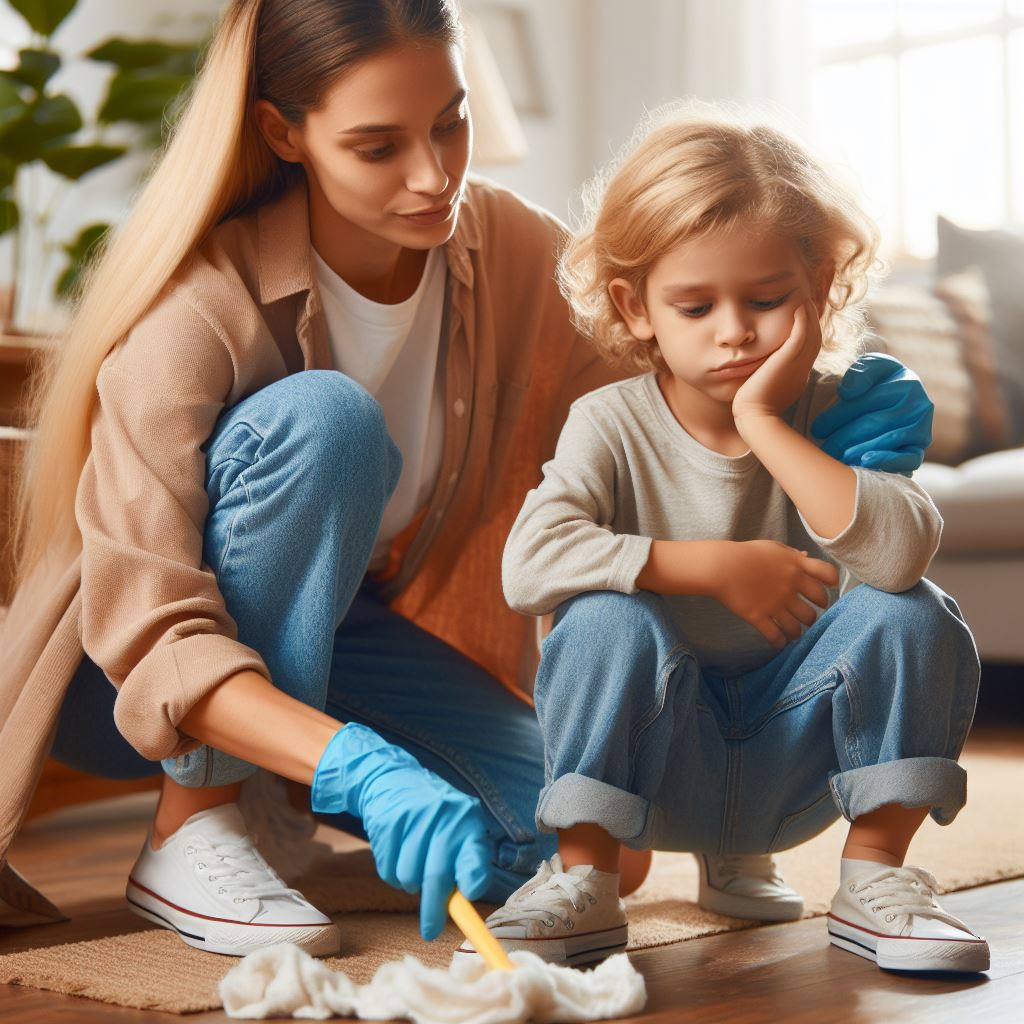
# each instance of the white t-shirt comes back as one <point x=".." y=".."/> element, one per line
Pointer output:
<point x="393" y="351"/>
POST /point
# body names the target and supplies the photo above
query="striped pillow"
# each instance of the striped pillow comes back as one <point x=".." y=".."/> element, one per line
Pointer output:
<point x="944" y="335"/>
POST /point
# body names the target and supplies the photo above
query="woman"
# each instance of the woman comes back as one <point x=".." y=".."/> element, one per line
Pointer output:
<point x="255" y="548"/>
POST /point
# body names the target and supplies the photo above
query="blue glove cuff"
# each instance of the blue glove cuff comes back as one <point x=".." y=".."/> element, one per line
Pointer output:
<point x="336" y="788"/>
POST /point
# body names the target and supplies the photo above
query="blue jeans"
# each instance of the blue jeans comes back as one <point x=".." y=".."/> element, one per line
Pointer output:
<point x="871" y="706"/>
<point x="298" y="475"/>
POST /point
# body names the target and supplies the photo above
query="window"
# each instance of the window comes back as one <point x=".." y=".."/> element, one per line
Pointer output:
<point x="925" y="99"/>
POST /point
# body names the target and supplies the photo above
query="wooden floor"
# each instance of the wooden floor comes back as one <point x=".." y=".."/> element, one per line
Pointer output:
<point x="780" y="973"/>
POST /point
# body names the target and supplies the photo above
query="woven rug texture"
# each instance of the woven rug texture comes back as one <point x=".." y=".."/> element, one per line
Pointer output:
<point x="152" y="969"/>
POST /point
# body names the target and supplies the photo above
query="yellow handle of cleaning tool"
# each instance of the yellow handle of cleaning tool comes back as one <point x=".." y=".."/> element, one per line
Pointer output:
<point x="472" y="926"/>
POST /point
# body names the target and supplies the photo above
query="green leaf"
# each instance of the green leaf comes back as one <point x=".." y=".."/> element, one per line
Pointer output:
<point x="46" y="121"/>
<point x="36" y="67"/>
<point x="134" y="54"/>
<point x="75" y="161"/>
<point x="44" y="15"/>
<point x="140" y="96"/>
<point x="12" y="106"/>
<point x="80" y="252"/>
<point x="9" y="216"/>
<point x="8" y="169"/>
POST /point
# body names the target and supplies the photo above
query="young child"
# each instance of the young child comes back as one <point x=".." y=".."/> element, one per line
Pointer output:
<point x="743" y="643"/>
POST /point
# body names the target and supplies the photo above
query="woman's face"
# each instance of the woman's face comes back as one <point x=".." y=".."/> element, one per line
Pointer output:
<point x="389" y="147"/>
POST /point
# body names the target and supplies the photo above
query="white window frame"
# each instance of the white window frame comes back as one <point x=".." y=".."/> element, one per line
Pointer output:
<point x="898" y="44"/>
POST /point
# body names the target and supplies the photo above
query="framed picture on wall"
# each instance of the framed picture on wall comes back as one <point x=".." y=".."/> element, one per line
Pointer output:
<point x="509" y="33"/>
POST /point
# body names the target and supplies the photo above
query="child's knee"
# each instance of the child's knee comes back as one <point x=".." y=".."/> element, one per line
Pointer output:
<point x="924" y="617"/>
<point x="602" y="620"/>
<point x="611" y="644"/>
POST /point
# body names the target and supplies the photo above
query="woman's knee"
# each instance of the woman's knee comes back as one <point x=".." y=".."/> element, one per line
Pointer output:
<point x="326" y="427"/>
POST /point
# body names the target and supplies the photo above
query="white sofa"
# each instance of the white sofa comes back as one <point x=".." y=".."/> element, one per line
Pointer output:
<point x="980" y="562"/>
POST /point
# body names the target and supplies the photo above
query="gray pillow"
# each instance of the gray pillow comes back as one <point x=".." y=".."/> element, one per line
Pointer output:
<point x="999" y="255"/>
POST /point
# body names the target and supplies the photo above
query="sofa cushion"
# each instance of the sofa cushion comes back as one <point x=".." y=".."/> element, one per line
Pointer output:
<point x="1000" y="257"/>
<point x="943" y="334"/>
<point x="981" y="501"/>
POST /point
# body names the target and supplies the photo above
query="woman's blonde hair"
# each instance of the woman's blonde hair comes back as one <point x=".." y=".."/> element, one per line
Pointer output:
<point x="216" y="164"/>
<point x="693" y="168"/>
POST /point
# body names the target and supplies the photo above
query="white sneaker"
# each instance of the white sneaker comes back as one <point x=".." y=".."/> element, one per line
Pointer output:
<point x="282" y="834"/>
<point x="564" y="917"/>
<point x="890" y="916"/>
<point x="747" y="886"/>
<point x="209" y="884"/>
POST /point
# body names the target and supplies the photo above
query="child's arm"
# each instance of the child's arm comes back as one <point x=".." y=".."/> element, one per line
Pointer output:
<point x="884" y="528"/>
<point x="562" y="543"/>
<point x="822" y="488"/>
<point x="764" y="582"/>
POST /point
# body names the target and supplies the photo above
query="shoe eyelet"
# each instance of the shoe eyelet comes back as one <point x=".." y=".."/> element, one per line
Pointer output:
<point x="238" y="899"/>
<point x="189" y="850"/>
<point x="852" y="888"/>
<point x="211" y="878"/>
<point x="570" y="924"/>
<point x="874" y="910"/>
<point x="221" y="892"/>
<point x="200" y="867"/>
<point x="888" y="917"/>
<point x="863" y="900"/>
<point x="550" y="923"/>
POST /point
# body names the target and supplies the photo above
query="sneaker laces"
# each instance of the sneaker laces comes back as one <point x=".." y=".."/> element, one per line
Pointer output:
<point x="239" y="870"/>
<point x="730" y="866"/>
<point x="553" y="897"/>
<point x="903" y="892"/>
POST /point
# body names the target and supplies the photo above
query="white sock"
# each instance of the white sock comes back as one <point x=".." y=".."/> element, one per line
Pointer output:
<point x="849" y="867"/>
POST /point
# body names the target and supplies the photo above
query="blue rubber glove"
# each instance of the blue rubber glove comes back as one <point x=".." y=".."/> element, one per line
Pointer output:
<point x="426" y="836"/>
<point x="883" y="419"/>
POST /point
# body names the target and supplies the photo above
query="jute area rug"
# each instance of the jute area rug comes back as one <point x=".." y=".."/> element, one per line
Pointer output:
<point x="152" y="969"/>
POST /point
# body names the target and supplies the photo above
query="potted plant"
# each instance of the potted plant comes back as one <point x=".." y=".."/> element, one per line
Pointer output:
<point x="41" y="126"/>
<point x="43" y="132"/>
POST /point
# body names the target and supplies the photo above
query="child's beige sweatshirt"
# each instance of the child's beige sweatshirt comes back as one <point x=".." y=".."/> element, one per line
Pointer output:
<point x="626" y="473"/>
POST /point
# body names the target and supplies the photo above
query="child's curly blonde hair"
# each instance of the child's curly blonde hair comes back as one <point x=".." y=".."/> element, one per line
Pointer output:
<point x="695" y="168"/>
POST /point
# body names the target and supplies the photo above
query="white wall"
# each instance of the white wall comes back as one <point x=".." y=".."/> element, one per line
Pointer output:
<point x="598" y="69"/>
<point x="606" y="62"/>
<point x="601" y="64"/>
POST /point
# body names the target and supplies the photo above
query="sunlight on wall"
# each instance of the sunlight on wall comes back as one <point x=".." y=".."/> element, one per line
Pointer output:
<point x="924" y="98"/>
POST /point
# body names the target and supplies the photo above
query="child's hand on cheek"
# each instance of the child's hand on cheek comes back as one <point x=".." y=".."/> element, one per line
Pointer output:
<point x="780" y="380"/>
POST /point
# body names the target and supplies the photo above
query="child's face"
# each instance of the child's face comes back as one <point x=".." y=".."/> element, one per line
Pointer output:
<point x="719" y="306"/>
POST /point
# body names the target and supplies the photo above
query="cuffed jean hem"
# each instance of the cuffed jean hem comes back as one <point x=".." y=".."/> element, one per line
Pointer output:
<point x="935" y="782"/>
<point x="576" y="799"/>
<point x="206" y="766"/>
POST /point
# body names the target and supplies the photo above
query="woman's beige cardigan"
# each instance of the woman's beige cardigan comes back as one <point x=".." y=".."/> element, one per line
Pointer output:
<point x="241" y="314"/>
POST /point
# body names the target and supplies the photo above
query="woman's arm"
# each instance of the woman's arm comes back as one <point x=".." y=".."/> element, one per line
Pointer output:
<point x="882" y="418"/>
<point x="153" y="616"/>
<point x="250" y="718"/>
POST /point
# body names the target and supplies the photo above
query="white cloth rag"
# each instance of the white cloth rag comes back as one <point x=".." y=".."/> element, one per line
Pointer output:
<point x="283" y="981"/>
